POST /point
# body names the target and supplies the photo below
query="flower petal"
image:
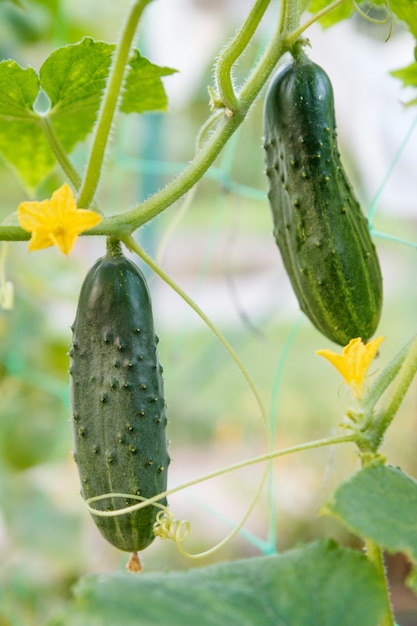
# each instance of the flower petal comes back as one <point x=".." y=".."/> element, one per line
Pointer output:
<point x="84" y="220"/>
<point x="56" y="221"/>
<point x="64" y="241"/>
<point x="30" y="214"/>
<point x="40" y="239"/>
<point x="63" y="201"/>
<point x="354" y="362"/>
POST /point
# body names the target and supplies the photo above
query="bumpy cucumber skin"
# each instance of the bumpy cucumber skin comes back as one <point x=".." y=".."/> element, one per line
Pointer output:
<point x="117" y="399"/>
<point x="319" y="227"/>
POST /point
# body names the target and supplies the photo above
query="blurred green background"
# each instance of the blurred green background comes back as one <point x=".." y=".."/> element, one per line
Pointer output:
<point x="218" y="246"/>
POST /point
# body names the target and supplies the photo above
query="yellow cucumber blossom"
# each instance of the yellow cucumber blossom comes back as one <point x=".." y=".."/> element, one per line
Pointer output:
<point x="354" y="362"/>
<point x="57" y="221"/>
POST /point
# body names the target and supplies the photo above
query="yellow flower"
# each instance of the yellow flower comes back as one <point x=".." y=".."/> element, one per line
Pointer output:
<point x="354" y="362"/>
<point x="57" y="221"/>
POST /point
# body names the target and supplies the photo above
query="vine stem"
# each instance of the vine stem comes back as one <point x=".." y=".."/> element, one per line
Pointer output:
<point x="60" y="155"/>
<point x="108" y="109"/>
<point x="236" y="466"/>
<point x="269" y="456"/>
<point x="375" y="555"/>
<point x="227" y="58"/>
<point x="404" y="368"/>
<point x="296" y="34"/>
<point x="135" y="247"/>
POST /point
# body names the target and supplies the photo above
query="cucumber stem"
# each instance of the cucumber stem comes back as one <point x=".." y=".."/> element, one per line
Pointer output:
<point x="404" y="376"/>
<point x="113" y="247"/>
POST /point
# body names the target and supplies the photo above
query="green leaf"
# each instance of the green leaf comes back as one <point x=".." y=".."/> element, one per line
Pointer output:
<point x="379" y="503"/>
<point x="19" y="89"/>
<point x="74" y="77"/>
<point x="144" y="90"/>
<point x="319" y="584"/>
<point x="406" y="11"/>
<point x="22" y="141"/>
<point x="339" y="14"/>
<point x="408" y="75"/>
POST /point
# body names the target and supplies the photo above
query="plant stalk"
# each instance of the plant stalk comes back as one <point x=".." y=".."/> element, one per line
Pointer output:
<point x="223" y="68"/>
<point x="108" y="109"/>
<point x="60" y="155"/>
<point x="375" y="555"/>
<point x="404" y="376"/>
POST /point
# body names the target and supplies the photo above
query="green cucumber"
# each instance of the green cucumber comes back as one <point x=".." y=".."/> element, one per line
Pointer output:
<point x="319" y="227"/>
<point x="117" y="399"/>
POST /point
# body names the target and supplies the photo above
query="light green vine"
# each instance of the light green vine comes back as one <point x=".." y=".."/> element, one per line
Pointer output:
<point x="112" y="93"/>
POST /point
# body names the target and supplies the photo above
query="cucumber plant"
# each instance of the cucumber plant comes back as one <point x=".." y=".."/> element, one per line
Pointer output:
<point x="118" y="411"/>
<point x="117" y="399"/>
<point x="319" y="227"/>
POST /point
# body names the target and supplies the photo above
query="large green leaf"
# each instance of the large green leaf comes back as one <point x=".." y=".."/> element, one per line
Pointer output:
<point x="73" y="79"/>
<point x="22" y="141"/>
<point x="406" y="11"/>
<point x="319" y="584"/>
<point x="380" y="503"/>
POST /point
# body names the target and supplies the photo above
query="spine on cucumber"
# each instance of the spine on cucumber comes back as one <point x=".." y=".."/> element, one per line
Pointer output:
<point x="117" y="399"/>
<point x="319" y="227"/>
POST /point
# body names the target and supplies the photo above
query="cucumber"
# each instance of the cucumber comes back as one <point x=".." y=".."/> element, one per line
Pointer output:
<point x="117" y="398"/>
<point x="319" y="227"/>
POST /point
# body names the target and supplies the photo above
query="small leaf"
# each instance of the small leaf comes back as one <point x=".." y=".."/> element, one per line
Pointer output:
<point x="339" y="14"/>
<point x="19" y="88"/>
<point x="408" y="76"/>
<point x="144" y="90"/>
<point x="379" y="503"/>
<point x="319" y="584"/>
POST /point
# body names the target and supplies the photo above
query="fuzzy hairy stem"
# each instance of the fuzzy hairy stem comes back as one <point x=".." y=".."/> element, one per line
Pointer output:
<point x="108" y="109"/>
